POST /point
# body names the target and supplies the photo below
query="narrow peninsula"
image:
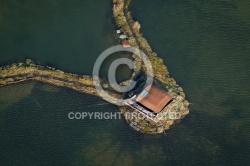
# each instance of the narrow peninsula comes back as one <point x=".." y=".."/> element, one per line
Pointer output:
<point x="161" y="105"/>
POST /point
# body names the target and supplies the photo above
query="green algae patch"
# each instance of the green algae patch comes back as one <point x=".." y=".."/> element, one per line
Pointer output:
<point x="19" y="72"/>
<point x="48" y="88"/>
<point x="13" y="94"/>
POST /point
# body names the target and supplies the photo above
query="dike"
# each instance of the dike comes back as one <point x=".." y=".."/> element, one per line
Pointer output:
<point x="131" y="29"/>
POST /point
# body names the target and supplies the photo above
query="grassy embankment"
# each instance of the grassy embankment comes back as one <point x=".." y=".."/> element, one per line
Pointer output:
<point x="131" y="28"/>
<point x="19" y="72"/>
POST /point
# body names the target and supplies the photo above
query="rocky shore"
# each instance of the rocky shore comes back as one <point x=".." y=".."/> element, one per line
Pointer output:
<point x="131" y="28"/>
<point x="19" y="72"/>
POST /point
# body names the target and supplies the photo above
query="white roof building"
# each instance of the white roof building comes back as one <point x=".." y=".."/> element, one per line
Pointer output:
<point x="122" y="36"/>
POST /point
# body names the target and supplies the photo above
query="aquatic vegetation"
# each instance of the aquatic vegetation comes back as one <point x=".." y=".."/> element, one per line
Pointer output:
<point x="19" y="72"/>
<point x="131" y="28"/>
<point x="13" y="94"/>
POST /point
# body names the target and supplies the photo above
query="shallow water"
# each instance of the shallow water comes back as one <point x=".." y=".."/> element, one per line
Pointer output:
<point x="36" y="130"/>
<point x="204" y="44"/>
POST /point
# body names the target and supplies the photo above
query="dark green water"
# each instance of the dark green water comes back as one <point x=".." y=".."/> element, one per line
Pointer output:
<point x="69" y="35"/>
<point x="66" y="35"/>
<point x="205" y="45"/>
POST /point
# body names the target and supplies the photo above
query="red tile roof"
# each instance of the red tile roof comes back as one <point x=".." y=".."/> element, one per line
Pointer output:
<point x="154" y="98"/>
<point x="125" y="43"/>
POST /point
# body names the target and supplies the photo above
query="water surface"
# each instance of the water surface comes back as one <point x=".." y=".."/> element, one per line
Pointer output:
<point x="206" y="47"/>
<point x="204" y="44"/>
